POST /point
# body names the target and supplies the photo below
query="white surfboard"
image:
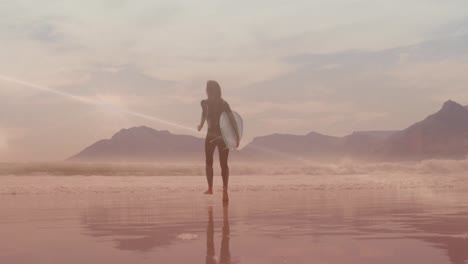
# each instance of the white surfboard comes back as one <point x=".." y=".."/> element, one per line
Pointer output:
<point x="227" y="130"/>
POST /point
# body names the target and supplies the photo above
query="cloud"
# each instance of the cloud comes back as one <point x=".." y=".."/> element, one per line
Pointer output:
<point x="369" y="116"/>
<point x="119" y="80"/>
<point x="361" y="75"/>
<point x="154" y="57"/>
<point x="457" y="27"/>
<point x="385" y="89"/>
<point x="60" y="125"/>
<point x="297" y="107"/>
<point x="46" y="31"/>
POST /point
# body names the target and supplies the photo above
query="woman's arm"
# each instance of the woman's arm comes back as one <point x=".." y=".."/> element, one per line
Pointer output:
<point x="203" y="115"/>
<point x="202" y="122"/>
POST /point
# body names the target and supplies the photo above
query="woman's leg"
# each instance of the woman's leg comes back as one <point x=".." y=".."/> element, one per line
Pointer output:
<point x="223" y="159"/>
<point x="209" y="151"/>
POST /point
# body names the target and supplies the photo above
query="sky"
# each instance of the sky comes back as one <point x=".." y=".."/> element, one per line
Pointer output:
<point x="74" y="72"/>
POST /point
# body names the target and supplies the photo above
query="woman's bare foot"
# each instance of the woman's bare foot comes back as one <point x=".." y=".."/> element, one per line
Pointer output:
<point x="225" y="196"/>
<point x="209" y="191"/>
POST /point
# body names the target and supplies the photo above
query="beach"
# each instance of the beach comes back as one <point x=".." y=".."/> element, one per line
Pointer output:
<point x="360" y="218"/>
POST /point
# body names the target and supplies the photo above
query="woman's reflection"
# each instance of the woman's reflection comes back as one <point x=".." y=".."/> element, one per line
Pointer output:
<point x="225" y="255"/>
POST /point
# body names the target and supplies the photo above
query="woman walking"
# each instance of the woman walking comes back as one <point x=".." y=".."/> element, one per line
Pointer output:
<point x="212" y="108"/>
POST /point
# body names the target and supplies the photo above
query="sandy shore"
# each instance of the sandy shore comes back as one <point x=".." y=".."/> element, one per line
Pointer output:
<point x="270" y="219"/>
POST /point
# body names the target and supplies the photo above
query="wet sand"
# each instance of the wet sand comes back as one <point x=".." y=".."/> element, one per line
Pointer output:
<point x="270" y="219"/>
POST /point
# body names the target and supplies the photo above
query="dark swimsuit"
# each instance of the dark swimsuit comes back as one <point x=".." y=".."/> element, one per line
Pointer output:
<point x="212" y="112"/>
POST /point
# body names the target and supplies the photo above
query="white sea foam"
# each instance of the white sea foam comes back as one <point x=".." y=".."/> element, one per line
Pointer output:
<point x="187" y="236"/>
<point x="78" y="178"/>
<point x="434" y="167"/>
<point x="168" y="185"/>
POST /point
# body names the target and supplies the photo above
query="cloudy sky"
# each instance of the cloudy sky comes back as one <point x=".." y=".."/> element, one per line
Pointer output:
<point x="74" y="72"/>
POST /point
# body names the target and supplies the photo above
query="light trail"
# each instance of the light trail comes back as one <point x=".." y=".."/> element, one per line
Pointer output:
<point x="91" y="101"/>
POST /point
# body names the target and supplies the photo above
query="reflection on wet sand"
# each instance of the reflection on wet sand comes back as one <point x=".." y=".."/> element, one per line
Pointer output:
<point x="384" y="224"/>
<point x="225" y="254"/>
<point x="133" y="230"/>
<point x="444" y="232"/>
<point x="369" y="224"/>
<point x="449" y="232"/>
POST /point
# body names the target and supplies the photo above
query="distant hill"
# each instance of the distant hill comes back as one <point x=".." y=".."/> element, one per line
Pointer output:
<point x="143" y="144"/>
<point x="359" y="144"/>
<point x="383" y="134"/>
<point x="314" y="146"/>
<point x="443" y="135"/>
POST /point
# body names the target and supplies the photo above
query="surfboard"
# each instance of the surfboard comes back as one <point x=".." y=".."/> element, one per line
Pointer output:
<point x="228" y="131"/>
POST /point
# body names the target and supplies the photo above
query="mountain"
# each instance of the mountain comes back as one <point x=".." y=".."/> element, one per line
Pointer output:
<point x="143" y="144"/>
<point x="441" y="135"/>
<point x="378" y="134"/>
<point x="285" y="146"/>
<point x="360" y="143"/>
<point x="314" y="146"/>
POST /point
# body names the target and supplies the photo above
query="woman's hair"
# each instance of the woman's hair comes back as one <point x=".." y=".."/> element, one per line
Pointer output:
<point x="213" y="90"/>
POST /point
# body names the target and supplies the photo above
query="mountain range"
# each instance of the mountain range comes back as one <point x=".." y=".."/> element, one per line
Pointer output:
<point x="142" y="144"/>
<point x="442" y="135"/>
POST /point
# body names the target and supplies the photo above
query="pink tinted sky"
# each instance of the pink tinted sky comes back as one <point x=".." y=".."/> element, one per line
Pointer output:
<point x="326" y="66"/>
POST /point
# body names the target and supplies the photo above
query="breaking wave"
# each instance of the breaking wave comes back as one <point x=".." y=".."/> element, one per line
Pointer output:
<point x="148" y="169"/>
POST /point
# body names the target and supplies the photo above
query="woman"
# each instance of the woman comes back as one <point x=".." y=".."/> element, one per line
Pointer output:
<point x="212" y="108"/>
